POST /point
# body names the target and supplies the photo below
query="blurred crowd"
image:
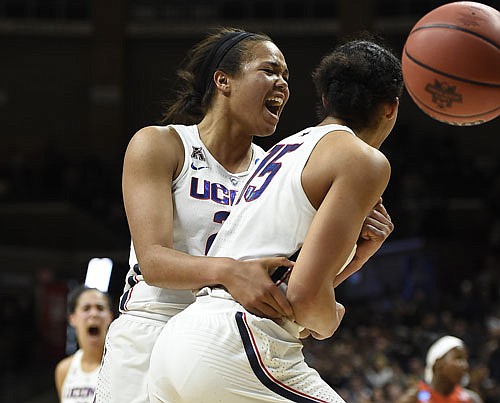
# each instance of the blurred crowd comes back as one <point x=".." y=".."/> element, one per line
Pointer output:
<point x="379" y="350"/>
<point x="448" y="194"/>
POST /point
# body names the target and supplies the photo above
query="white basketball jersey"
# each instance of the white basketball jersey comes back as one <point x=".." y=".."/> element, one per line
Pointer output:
<point x="79" y="386"/>
<point x="273" y="214"/>
<point x="203" y="195"/>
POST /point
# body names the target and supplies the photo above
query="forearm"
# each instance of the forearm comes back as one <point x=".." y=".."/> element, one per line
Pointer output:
<point x="169" y="268"/>
<point x="354" y="265"/>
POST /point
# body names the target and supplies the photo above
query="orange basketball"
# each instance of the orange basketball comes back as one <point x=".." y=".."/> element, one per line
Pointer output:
<point x="451" y="63"/>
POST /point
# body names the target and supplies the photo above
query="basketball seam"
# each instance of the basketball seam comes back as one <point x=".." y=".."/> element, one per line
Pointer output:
<point x="465" y="80"/>
<point x="485" y="38"/>
<point x="439" y="111"/>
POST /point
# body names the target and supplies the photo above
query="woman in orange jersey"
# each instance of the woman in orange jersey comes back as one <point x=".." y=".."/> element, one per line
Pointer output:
<point x="446" y="367"/>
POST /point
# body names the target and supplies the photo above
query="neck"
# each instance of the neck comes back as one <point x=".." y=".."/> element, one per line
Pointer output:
<point x="91" y="358"/>
<point x="228" y="145"/>
<point x="368" y="135"/>
<point x="443" y="388"/>
<point x="330" y="120"/>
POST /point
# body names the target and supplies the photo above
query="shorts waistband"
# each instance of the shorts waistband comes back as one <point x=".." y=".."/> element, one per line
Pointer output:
<point x="291" y="327"/>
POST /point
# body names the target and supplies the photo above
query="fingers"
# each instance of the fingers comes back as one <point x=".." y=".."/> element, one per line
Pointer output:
<point x="273" y="305"/>
<point x="280" y="304"/>
<point x="380" y="213"/>
<point x="262" y="296"/>
<point x="269" y="311"/>
<point x="376" y="229"/>
<point x="304" y="334"/>
<point x="378" y="223"/>
<point x="273" y="262"/>
<point x="340" y="310"/>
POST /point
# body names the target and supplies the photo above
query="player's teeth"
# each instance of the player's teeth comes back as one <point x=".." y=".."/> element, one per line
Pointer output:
<point x="275" y="101"/>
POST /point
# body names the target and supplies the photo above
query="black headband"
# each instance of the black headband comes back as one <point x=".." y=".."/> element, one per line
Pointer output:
<point x="217" y="53"/>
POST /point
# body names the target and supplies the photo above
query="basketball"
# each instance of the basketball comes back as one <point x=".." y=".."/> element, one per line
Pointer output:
<point x="451" y="63"/>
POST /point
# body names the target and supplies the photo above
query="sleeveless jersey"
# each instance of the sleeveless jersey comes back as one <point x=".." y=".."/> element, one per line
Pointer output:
<point x="203" y="194"/>
<point x="428" y="395"/>
<point x="273" y="194"/>
<point x="79" y="386"/>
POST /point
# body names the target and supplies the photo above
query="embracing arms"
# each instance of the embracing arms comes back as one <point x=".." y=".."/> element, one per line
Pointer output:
<point x="153" y="159"/>
<point x="344" y="178"/>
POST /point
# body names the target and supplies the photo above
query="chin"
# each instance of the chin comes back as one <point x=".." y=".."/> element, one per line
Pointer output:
<point x="266" y="132"/>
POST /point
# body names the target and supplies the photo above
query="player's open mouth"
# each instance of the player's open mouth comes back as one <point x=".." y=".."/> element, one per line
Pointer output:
<point x="274" y="104"/>
<point x="94" y="331"/>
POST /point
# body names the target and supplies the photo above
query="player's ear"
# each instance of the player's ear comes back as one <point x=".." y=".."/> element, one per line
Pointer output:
<point x="323" y="101"/>
<point x="71" y="319"/>
<point x="222" y="81"/>
<point x="391" y="109"/>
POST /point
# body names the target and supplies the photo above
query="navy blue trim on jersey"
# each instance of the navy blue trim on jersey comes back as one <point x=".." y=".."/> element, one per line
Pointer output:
<point x="261" y="372"/>
<point x="280" y="274"/>
<point x="124" y="299"/>
<point x="131" y="281"/>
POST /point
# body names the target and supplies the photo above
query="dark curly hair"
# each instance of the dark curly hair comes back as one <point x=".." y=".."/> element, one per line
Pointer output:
<point x="355" y="79"/>
<point x="192" y="97"/>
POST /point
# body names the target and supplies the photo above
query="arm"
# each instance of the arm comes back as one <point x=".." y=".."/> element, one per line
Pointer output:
<point x="60" y="374"/>
<point x="376" y="229"/>
<point x="153" y="159"/>
<point x="356" y="176"/>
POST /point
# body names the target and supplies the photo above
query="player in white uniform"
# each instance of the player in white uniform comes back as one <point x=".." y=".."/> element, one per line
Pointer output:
<point x="179" y="184"/>
<point x="76" y="375"/>
<point x="79" y="385"/>
<point x="313" y="192"/>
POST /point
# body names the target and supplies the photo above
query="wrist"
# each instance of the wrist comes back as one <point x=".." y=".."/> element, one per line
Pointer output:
<point x="358" y="261"/>
<point x="222" y="270"/>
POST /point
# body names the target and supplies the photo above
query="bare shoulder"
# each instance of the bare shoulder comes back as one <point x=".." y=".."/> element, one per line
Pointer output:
<point x="350" y="155"/>
<point x="63" y="365"/>
<point x="61" y="371"/>
<point x="151" y="137"/>
<point x="158" y="147"/>
<point x="350" y="163"/>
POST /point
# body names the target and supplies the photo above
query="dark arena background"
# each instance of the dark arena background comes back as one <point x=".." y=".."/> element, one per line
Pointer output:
<point x="78" y="78"/>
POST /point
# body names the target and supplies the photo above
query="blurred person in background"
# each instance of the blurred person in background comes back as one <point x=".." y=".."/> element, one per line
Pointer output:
<point x="90" y="315"/>
<point x="446" y="369"/>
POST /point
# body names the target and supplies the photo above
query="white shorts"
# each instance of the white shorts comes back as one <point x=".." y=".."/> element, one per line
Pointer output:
<point x="215" y="351"/>
<point x="123" y="374"/>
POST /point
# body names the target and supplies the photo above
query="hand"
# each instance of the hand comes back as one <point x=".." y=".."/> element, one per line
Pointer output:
<point x="251" y="285"/>
<point x="304" y="334"/>
<point x="376" y="229"/>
